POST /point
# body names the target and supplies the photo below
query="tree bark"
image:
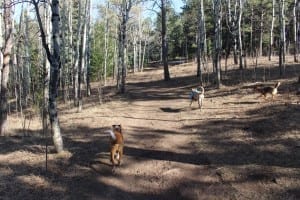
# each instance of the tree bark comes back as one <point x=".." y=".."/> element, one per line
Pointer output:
<point x="7" y="48"/>
<point x="54" y="59"/>
<point x="261" y="33"/>
<point x="240" y="33"/>
<point x="282" y="38"/>
<point x="54" y="79"/>
<point x="164" y="40"/>
<point x="88" y="51"/>
<point x="217" y="40"/>
<point x="122" y="35"/>
<point x="106" y="36"/>
<point x="296" y="50"/>
<point x="46" y="65"/>
<point x="271" y="31"/>
<point x="76" y="69"/>
<point x="200" y="40"/>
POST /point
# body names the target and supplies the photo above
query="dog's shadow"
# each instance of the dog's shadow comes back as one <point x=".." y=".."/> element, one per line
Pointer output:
<point x="241" y="102"/>
<point x="102" y="158"/>
<point x="102" y="165"/>
<point x="171" y="110"/>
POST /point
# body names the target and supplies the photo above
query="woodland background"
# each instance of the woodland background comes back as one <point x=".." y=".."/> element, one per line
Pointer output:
<point x="56" y="58"/>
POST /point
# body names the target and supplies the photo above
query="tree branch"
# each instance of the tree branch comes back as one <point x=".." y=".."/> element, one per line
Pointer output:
<point x="43" y="35"/>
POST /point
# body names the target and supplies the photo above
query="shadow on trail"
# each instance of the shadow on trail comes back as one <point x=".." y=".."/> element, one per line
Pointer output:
<point x="266" y="138"/>
<point x="171" y="110"/>
<point x="193" y="158"/>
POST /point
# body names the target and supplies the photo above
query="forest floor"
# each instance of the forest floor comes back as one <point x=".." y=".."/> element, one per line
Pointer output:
<point x="239" y="146"/>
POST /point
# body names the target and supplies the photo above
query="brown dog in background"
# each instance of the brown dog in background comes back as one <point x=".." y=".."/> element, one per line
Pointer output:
<point x="268" y="90"/>
<point x="117" y="144"/>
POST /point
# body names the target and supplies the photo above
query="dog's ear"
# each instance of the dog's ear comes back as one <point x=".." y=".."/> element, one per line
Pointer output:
<point x="120" y="127"/>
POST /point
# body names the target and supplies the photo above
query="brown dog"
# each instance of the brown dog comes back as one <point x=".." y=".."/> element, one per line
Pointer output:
<point x="268" y="90"/>
<point x="117" y="144"/>
<point x="197" y="95"/>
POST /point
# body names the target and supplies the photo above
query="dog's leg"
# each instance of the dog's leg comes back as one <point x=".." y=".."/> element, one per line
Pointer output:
<point x="120" y="155"/>
<point x="113" y="153"/>
<point x="201" y="102"/>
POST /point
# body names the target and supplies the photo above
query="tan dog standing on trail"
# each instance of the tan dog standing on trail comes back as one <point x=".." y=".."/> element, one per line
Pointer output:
<point x="197" y="95"/>
<point x="268" y="90"/>
<point x="117" y="144"/>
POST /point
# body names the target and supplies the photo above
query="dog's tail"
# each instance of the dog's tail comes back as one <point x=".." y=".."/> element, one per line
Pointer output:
<point x="277" y="85"/>
<point x="112" y="134"/>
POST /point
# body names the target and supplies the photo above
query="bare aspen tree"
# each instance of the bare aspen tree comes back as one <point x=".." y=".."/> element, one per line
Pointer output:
<point x="145" y="36"/>
<point x="46" y="63"/>
<point x="296" y="50"/>
<point x="140" y="38"/>
<point x="65" y="50"/>
<point x="241" y="55"/>
<point x="76" y="70"/>
<point x="15" y="77"/>
<point x="122" y="44"/>
<point x="88" y="48"/>
<point x="70" y="48"/>
<point x="82" y="53"/>
<point x="261" y="31"/>
<point x="217" y="40"/>
<point x="271" y="30"/>
<point x="201" y="40"/>
<point x="54" y="59"/>
<point x="137" y="37"/>
<point x="282" y="37"/>
<point x="164" y="40"/>
<point x="115" y="53"/>
<point x="18" y="63"/>
<point x="298" y="30"/>
<point x="251" y="32"/>
<point x="106" y="37"/>
<point x="27" y="66"/>
<point x="21" y="62"/>
<point x="283" y="34"/>
<point x="6" y="52"/>
<point x="232" y="20"/>
<point x="1" y="41"/>
<point x="135" y="49"/>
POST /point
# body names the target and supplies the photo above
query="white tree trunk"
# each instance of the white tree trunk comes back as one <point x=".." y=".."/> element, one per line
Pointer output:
<point x="200" y="40"/>
<point x="271" y="31"/>
<point x="88" y="49"/>
<point x="46" y="63"/>
<point x="295" y="31"/>
<point x="282" y="38"/>
<point x="106" y="36"/>
<point x="1" y="42"/>
<point x="122" y="35"/>
<point x="261" y="33"/>
<point x="164" y="40"/>
<point x="54" y="59"/>
<point x="135" y="53"/>
<point x="82" y="55"/>
<point x="217" y="40"/>
<point x="140" y="36"/>
<point x="76" y="70"/>
<point x="240" y="33"/>
<point x="6" y="51"/>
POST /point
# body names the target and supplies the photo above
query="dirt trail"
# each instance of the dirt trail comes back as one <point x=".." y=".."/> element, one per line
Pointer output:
<point x="236" y="147"/>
